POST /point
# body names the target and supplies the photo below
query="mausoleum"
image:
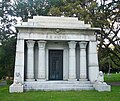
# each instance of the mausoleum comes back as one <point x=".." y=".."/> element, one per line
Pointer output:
<point x="56" y="53"/>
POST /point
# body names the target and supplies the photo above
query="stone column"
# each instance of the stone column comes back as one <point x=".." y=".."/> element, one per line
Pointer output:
<point x="93" y="68"/>
<point x="41" y="60"/>
<point x="30" y="60"/>
<point x="72" y="60"/>
<point x="83" y="67"/>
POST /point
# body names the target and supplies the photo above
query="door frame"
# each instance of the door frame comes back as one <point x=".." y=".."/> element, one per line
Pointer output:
<point x="64" y="47"/>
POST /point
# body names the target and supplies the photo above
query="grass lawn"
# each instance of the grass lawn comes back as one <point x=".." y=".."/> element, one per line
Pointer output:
<point x="114" y="95"/>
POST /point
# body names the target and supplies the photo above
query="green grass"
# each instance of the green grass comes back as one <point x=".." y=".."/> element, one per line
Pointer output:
<point x="112" y="77"/>
<point x="114" y="95"/>
<point x="93" y="95"/>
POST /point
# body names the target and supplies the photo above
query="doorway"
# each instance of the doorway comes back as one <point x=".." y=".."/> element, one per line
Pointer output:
<point x="55" y="64"/>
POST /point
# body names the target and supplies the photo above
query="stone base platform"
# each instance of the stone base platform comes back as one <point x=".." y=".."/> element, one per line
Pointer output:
<point x="18" y="88"/>
<point x="58" y="85"/>
<point x="102" y="87"/>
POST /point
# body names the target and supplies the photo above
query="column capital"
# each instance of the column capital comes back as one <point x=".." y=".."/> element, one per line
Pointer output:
<point x="30" y="43"/>
<point x="83" y="44"/>
<point x="72" y="44"/>
<point x="41" y="44"/>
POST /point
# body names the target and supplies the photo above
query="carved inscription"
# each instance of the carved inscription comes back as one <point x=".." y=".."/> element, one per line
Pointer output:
<point x="55" y="37"/>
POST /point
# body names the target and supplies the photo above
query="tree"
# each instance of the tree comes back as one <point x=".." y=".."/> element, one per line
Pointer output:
<point x="107" y="63"/>
<point x="29" y="8"/>
<point x="8" y="13"/>
<point x="7" y="38"/>
<point x="109" y="30"/>
<point x="7" y="56"/>
<point x="103" y="15"/>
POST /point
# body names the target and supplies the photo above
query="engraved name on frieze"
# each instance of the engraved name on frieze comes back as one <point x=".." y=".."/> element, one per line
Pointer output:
<point x="55" y="36"/>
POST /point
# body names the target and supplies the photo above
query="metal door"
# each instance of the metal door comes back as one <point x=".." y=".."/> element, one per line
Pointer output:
<point x="55" y="64"/>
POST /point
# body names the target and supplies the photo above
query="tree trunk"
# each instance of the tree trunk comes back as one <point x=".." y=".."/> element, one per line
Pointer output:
<point x="109" y="68"/>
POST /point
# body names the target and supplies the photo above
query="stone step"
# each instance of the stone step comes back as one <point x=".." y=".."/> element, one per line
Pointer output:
<point x="60" y="88"/>
<point x="58" y="85"/>
<point x="60" y="82"/>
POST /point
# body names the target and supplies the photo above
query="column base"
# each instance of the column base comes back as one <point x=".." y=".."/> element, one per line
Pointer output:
<point x="72" y="79"/>
<point x="83" y="79"/>
<point x="41" y="79"/>
<point x="30" y="80"/>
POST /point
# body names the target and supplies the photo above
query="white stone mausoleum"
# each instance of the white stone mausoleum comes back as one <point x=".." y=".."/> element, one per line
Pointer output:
<point x="56" y="53"/>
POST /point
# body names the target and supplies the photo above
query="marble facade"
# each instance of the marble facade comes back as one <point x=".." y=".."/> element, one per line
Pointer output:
<point x="76" y="42"/>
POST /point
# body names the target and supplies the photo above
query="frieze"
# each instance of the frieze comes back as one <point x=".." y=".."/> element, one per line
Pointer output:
<point x="56" y="36"/>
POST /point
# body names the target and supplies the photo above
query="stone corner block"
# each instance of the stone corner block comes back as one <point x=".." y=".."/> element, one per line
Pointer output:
<point x="16" y="88"/>
<point x="102" y="87"/>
